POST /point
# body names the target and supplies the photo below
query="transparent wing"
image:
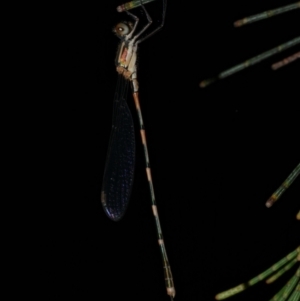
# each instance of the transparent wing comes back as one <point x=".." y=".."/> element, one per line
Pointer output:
<point x="120" y="161"/>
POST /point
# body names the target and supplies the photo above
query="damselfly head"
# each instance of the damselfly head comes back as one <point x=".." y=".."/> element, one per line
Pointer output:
<point x="122" y="29"/>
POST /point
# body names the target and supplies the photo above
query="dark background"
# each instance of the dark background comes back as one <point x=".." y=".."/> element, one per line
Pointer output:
<point x="217" y="154"/>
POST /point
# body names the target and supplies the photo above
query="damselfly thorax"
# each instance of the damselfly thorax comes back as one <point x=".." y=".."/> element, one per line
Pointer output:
<point x="127" y="53"/>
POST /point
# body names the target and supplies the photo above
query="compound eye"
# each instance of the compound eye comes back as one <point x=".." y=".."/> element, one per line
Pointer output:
<point x="121" y="29"/>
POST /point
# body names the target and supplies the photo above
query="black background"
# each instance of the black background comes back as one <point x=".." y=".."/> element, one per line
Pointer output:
<point x="217" y="154"/>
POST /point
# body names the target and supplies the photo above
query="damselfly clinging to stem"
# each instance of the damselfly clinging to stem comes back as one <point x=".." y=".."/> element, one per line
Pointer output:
<point x="119" y="168"/>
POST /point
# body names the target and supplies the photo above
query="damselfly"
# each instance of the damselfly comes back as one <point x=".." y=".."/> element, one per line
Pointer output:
<point x="120" y="162"/>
